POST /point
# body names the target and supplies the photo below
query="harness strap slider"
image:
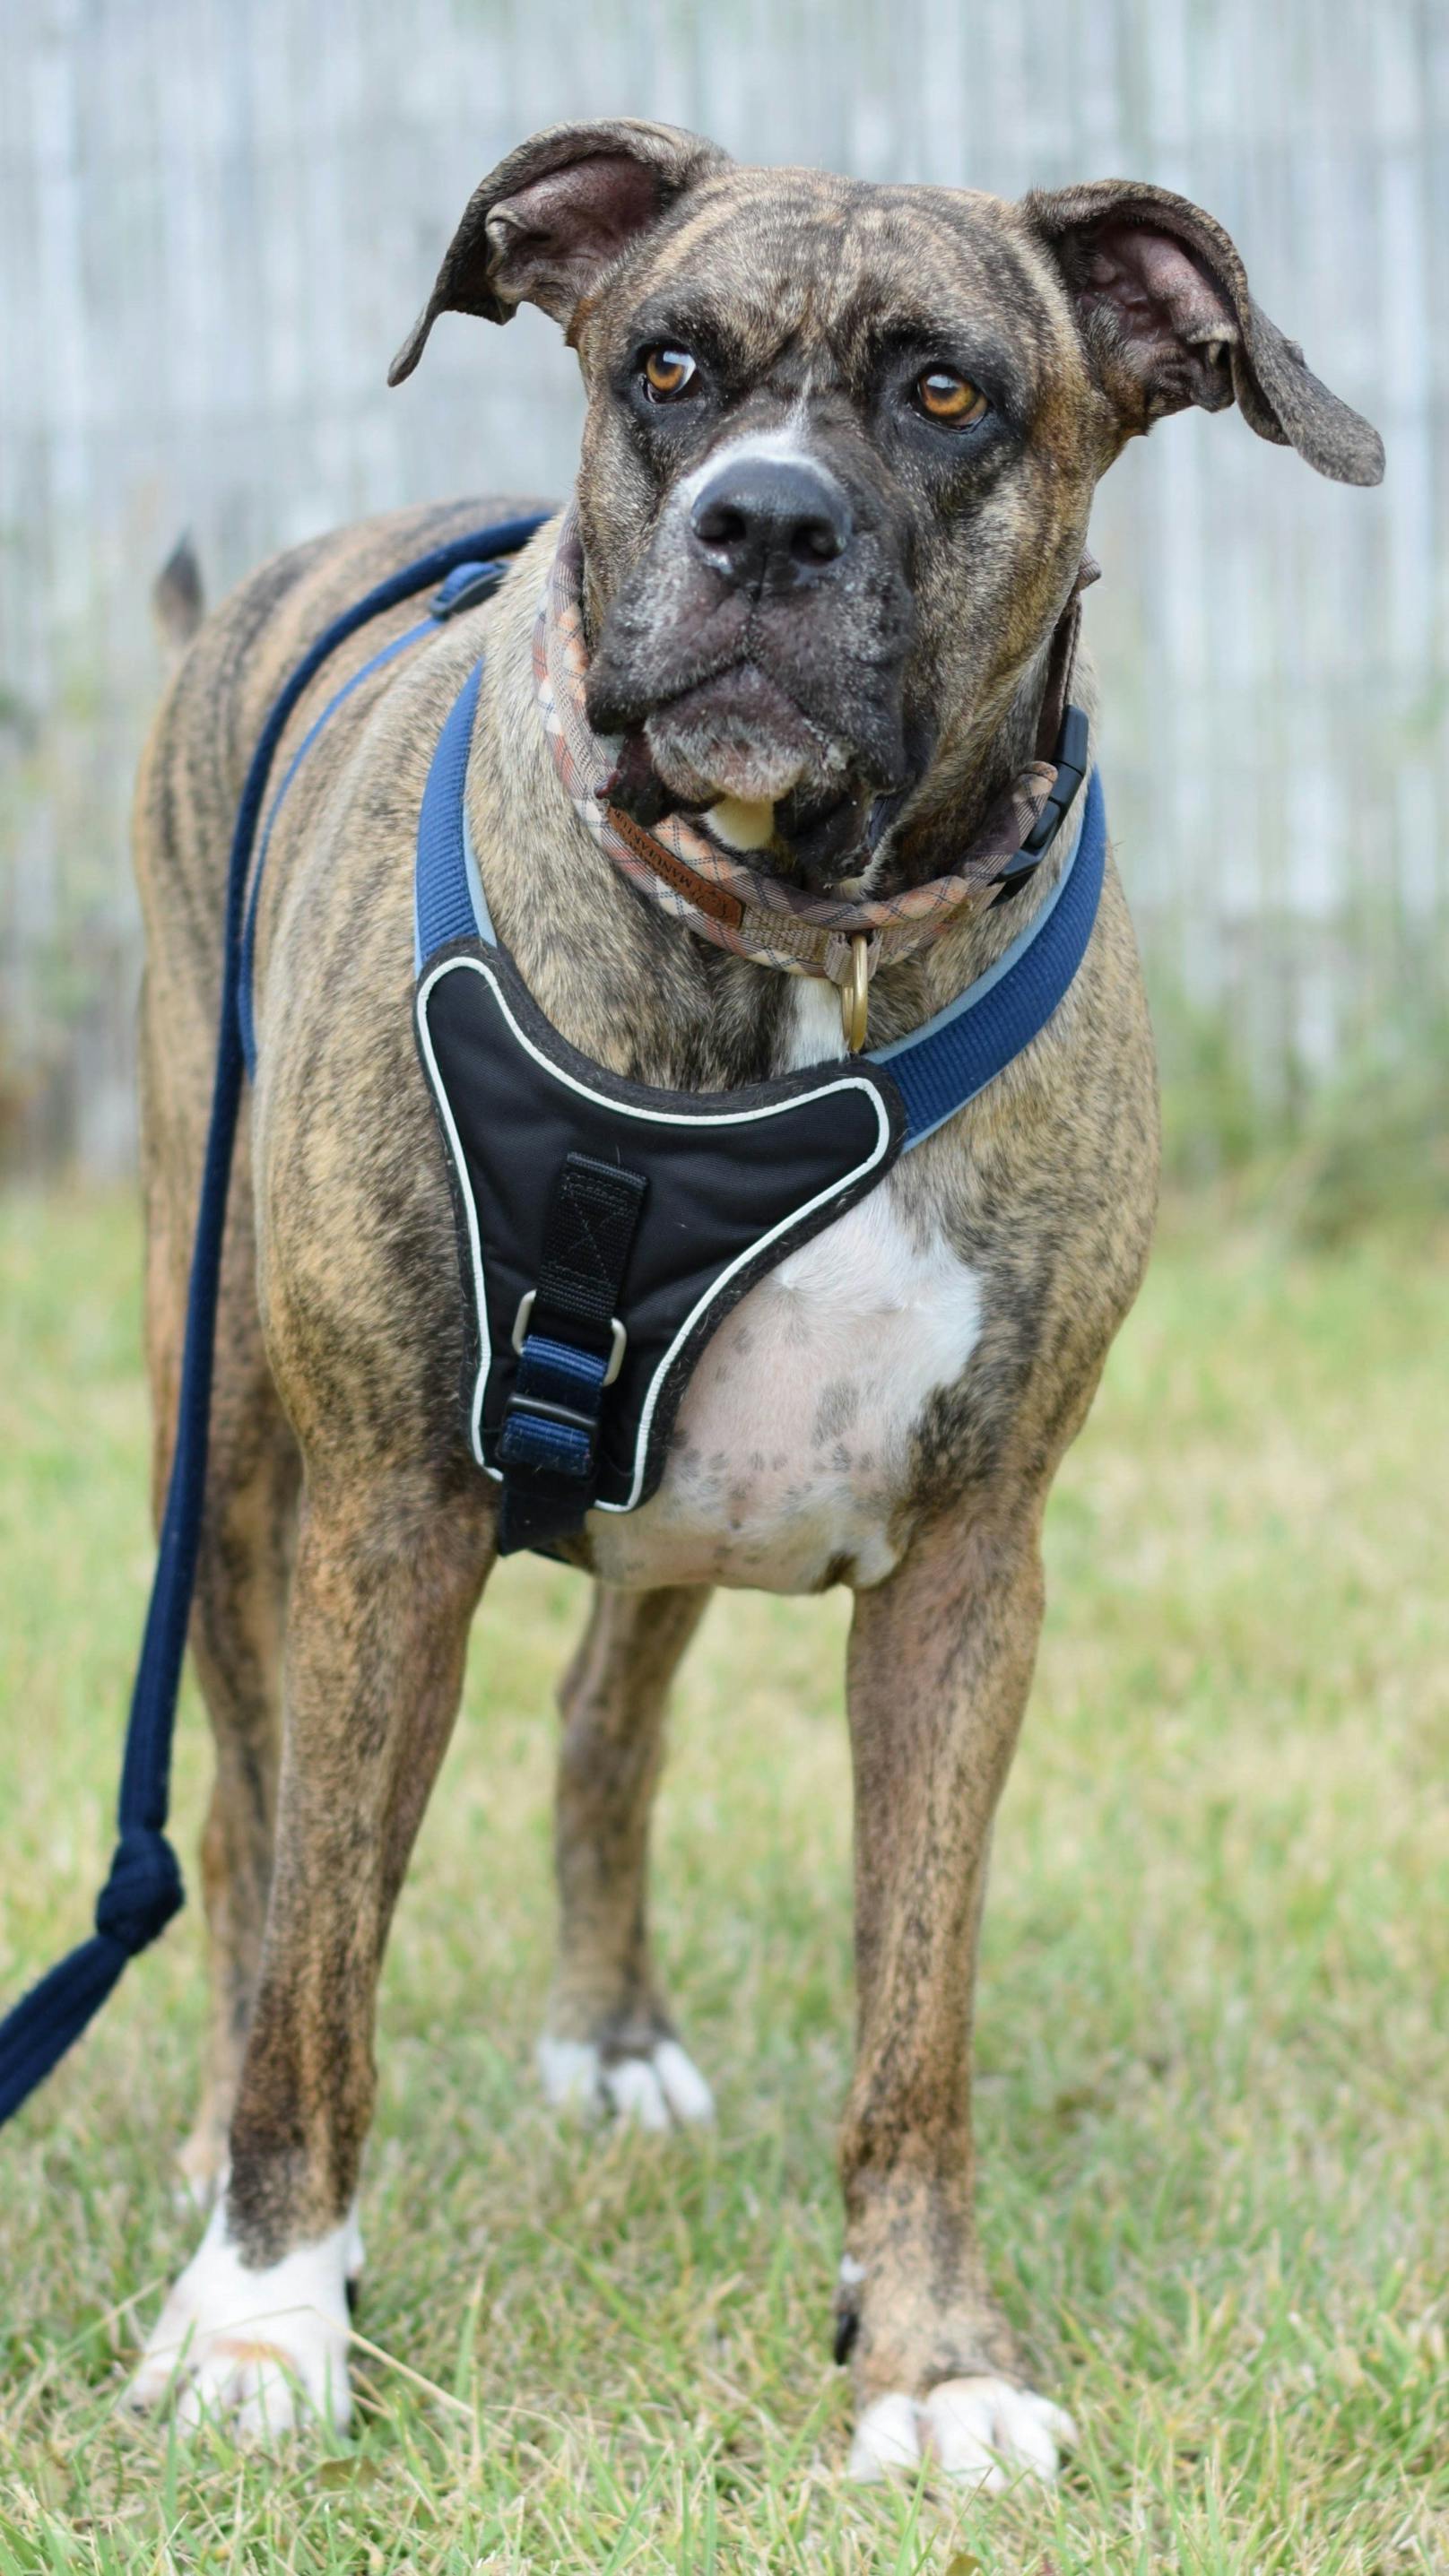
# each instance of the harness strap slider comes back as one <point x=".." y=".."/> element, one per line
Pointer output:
<point x="467" y="585"/>
<point x="540" y="1433"/>
<point x="570" y="1344"/>
<point x="617" y="1346"/>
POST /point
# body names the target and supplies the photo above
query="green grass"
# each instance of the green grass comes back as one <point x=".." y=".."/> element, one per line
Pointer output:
<point x="1212" y="2047"/>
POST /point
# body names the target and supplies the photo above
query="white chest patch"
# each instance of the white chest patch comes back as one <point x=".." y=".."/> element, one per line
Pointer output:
<point x="792" y="1445"/>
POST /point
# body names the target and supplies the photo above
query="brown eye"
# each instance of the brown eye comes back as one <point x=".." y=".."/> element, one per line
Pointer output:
<point x="945" y="396"/>
<point x="668" y="373"/>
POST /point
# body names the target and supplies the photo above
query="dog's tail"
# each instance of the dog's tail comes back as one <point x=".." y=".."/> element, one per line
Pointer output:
<point x="176" y="595"/>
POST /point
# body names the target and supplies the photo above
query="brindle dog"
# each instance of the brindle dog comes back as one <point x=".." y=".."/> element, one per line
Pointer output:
<point x="840" y="451"/>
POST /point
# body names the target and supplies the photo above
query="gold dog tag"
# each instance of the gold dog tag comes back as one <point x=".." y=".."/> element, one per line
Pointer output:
<point x="855" y="994"/>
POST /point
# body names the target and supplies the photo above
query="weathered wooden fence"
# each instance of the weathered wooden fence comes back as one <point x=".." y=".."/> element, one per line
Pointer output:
<point x="218" y="216"/>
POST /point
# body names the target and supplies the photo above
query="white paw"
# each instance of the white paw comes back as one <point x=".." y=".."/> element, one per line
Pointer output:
<point x="660" y="2091"/>
<point x="257" y="2349"/>
<point x="982" y="2431"/>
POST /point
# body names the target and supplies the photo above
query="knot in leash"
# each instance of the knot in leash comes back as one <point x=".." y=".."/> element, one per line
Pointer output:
<point x="143" y="1891"/>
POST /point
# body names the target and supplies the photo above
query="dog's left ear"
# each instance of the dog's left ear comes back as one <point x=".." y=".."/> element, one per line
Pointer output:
<point x="550" y="219"/>
<point x="1165" y="309"/>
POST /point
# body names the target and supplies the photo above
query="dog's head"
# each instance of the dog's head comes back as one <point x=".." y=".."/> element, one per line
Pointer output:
<point x="841" y="446"/>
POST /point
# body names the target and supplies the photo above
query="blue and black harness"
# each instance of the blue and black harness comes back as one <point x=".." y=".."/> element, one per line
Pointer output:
<point x="605" y="1228"/>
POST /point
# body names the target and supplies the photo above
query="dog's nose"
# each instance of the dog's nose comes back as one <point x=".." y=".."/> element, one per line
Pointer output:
<point x="770" y="523"/>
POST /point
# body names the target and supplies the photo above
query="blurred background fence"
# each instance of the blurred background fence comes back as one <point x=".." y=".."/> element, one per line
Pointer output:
<point x="217" y="217"/>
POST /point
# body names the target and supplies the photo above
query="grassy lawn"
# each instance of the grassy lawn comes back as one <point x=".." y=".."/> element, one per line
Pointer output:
<point x="1213" y="2034"/>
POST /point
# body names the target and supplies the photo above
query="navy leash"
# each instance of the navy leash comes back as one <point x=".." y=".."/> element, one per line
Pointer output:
<point x="144" y="1888"/>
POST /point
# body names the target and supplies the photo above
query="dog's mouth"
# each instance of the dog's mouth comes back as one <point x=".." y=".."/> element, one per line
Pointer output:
<point x="739" y="750"/>
<point x="739" y="735"/>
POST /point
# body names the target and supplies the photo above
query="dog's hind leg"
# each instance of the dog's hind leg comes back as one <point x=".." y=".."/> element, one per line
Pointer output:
<point x="386" y="1578"/>
<point x="247" y="1529"/>
<point x="609" y="2042"/>
<point x="236" y="1640"/>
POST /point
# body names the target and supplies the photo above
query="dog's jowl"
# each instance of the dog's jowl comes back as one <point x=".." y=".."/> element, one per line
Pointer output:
<point x="813" y="614"/>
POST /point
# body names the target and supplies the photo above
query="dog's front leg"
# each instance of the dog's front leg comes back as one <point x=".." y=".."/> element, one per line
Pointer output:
<point x="940" y="1664"/>
<point x="385" y="1584"/>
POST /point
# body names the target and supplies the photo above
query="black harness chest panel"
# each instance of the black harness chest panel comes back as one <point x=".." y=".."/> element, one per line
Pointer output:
<point x="727" y="1185"/>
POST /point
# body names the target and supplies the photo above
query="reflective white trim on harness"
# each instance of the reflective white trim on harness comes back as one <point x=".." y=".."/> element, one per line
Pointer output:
<point x="838" y="1083"/>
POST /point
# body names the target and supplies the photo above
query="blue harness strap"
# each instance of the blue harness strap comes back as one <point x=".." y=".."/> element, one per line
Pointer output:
<point x="144" y="1887"/>
<point x="443" y="903"/>
<point x="951" y="1058"/>
<point x="941" y="1065"/>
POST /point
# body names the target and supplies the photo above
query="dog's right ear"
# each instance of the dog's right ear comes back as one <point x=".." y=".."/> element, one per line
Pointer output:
<point x="1167" y="316"/>
<point x="550" y="219"/>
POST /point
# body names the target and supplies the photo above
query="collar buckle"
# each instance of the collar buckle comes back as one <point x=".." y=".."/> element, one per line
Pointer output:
<point x="1071" y="769"/>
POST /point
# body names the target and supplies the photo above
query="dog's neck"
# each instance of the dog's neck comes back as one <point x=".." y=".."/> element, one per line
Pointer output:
<point x="636" y="989"/>
<point x="965" y="780"/>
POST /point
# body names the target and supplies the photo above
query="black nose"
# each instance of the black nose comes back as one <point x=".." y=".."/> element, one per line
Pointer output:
<point x="770" y="523"/>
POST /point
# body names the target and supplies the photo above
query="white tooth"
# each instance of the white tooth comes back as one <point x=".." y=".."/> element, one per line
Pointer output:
<point x="743" y="825"/>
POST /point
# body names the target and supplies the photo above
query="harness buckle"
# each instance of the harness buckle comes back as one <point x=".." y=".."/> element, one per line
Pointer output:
<point x="549" y="1438"/>
<point x="466" y="586"/>
<point x="1071" y="768"/>
<point x="617" y="1347"/>
<point x="545" y="1408"/>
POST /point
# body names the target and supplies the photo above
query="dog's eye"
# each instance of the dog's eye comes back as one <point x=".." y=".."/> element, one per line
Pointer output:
<point x="668" y="373"/>
<point x="943" y="395"/>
